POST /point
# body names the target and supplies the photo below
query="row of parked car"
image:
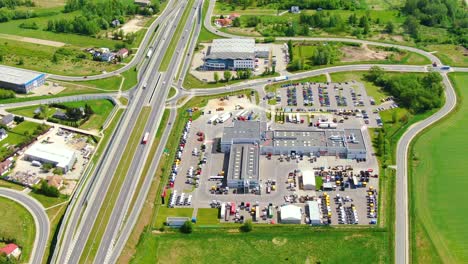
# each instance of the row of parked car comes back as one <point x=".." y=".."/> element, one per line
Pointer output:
<point x="178" y="156"/>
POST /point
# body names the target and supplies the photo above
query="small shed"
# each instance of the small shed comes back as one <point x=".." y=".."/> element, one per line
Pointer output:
<point x="290" y="214"/>
<point x="3" y="134"/>
<point x="176" y="221"/>
<point x="308" y="180"/>
<point x="313" y="210"/>
<point x="8" y="119"/>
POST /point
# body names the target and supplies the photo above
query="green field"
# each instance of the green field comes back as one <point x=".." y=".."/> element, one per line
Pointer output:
<point x="17" y="223"/>
<point x="439" y="230"/>
<point x="47" y="201"/>
<point x="207" y="216"/>
<point x="165" y="212"/>
<point x="101" y="108"/>
<point x="16" y="136"/>
<point x="451" y="54"/>
<point x="274" y="244"/>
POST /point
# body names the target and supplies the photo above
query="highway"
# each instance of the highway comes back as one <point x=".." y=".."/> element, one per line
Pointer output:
<point x="40" y="219"/>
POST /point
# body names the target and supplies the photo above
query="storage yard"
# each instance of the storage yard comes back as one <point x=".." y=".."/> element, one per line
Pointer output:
<point x="236" y="159"/>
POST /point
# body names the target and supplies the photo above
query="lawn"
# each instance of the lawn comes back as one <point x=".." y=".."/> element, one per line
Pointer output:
<point x="172" y="92"/>
<point x="165" y="212"/>
<point x="16" y="136"/>
<point x="101" y="108"/>
<point x="131" y="79"/>
<point x="10" y="185"/>
<point x="273" y="244"/>
<point x="111" y="197"/>
<point x="207" y="216"/>
<point x="372" y="90"/>
<point x="438" y="178"/>
<point x="17" y="223"/>
<point x="451" y="54"/>
<point x="47" y="201"/>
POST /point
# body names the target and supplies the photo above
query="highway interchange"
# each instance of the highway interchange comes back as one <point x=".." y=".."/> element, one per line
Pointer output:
<point x="86" y="204"/>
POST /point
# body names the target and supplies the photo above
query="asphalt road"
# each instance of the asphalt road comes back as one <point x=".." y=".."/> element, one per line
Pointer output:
<point x="40" y="219"/>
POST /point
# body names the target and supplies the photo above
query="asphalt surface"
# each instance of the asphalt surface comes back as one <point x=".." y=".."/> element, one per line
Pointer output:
<point x="40" y="219"/>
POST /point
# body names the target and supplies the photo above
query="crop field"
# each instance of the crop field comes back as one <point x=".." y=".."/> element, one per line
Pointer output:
<point x="272" y="244"/>
<point x="17" y="223"/>
<point x="439" y="229"/>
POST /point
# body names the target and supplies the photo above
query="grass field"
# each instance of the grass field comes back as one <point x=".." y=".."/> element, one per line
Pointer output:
<point x="101" y="108"/>
<point x="17" y="223"/>
<point x="16" y="135"/>
<point x="207" y="216"/>
<point x="274" y="244"/>
<point x="47" y="201"/>
<point x="171" y="212"/>
<point x="451" y="54"/>
<point x="10" y="185"/>
<point x="175" y="39"/>
<point x="110" y="198"/>
<point x="438" y="178"/>
<point x="131" y="79"/>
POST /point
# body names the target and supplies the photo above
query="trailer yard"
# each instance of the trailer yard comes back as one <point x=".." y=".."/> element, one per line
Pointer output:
<point x="322" y="173"/>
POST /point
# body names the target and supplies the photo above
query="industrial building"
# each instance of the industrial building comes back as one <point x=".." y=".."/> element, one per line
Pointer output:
<point x="308" y="180"/>
<point x="290" y="214"/>
<point x="234" y="54"/>
<point x="21" y="81"/>
<point x="347" y="143"/>
<point x="313" y="211"/>
<point x="58" y="156"/>
<point x="243" y="166"/>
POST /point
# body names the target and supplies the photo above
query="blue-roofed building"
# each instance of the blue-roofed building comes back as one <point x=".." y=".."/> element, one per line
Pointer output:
<point x="19" y="80"/>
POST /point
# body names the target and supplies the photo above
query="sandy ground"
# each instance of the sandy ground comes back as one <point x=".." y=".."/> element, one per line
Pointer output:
<point x="229" y="105"/>
<point x="135" y="24"/>
<point x="362" y="54"/>
<point x="48" y="88"/>
<point x="208" y="76"/>
<point x="33" y="40"/>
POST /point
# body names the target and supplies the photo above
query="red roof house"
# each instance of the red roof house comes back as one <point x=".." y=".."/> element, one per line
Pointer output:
<point x="11" y="250"/>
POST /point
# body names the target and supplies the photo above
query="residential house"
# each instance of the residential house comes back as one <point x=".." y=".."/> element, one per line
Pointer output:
<point x="55" y="181"/>
<point x="60" y="115"/>
<point x="3" y="134"/>
<point x="143" y="2"/>
<point x="223" y="22"/>
<point x="5" y="166"/>
<point x="7" y="120"/>
<point x="122" y="53"/>
<point x="11" y="250"/>
<point x="104" y="50"/>
<point x="108" y="57"/>
<point x="115" y="23"/>
<point x="295" y="10"/>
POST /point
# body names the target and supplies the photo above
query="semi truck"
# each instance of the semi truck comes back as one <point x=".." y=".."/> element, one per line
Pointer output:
<point x="145" y="138"/>
<point x="224" y="117"/>
<point x="280" y="78"/>
<point x="328" y="125"/>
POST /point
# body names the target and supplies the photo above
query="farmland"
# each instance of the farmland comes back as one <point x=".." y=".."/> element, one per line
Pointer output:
<point x="17" y="224"/>
<point x="438" y="180"/>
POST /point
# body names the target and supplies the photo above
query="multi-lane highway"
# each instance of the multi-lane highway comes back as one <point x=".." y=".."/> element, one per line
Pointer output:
<point x="40" y="219"/>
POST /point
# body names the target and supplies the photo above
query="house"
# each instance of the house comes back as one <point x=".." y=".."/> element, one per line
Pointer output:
<point x="115" y="23"/>
<point x="55" y="181"/>
<point x="122" y="53"/>
<point x="5" y="166"/>
<point x="143" y="2"/>
<point x="104" y="50"/>
<point x="7" y="120"/>
<point x="295" y="10"/>
<point x="11" y="250"/>
<point x="60" y="115"/>
<point x="107" y="57"/>
<point x="3" y="134"/>
<point x="223" y="22"/>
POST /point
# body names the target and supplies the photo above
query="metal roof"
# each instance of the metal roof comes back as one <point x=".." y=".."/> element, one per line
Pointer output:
<point x="232" y="49"/>
<point x="243" y="162"/>
<point x="17" y="76"/>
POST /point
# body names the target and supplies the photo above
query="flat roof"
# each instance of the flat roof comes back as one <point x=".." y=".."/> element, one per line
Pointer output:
<point x="17" y="76"/>
<point x="243" y="162"/>
<point x="309" y="138"/>
<point x="52" y="152"/>
<point x="354" y="138"/>
<point x="314" y="211"/>
<point x="243" y="130"/>
<point x="235" y="48"/>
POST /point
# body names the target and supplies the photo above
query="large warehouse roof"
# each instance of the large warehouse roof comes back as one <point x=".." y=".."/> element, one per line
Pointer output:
<point x="232" y="49"/>
<point x="59" y="154"/>
<point x="17" y="76"/>
<point x="243" y="162"/>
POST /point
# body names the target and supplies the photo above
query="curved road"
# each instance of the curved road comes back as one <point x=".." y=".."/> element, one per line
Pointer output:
<point x="40" y="218"/>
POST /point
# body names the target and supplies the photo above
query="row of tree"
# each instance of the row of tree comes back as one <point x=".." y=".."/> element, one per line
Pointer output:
<point x="304" y="4"/>
<point x="11" y="4"/>
<point x="416" y="93"/>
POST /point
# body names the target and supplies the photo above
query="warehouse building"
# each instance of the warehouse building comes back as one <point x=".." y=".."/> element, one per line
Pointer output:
<point x="242" y="133"/>
<point x="313" y="211"/>
<point x="290" y="214"/>
<point x="243" y="166"/>
<point x="308" y="180"/>
<point x="59" y="156"/>
<point x="234" y="54"/>
<point x="21" y="81"/>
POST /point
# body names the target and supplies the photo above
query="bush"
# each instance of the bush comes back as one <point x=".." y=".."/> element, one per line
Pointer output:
<point x="5" y="94"/>
<point x="246" y="227"/>
<point x="187" y="227"/>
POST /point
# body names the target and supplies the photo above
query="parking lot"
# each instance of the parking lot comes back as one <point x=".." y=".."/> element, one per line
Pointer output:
<point x="199" y="180"/>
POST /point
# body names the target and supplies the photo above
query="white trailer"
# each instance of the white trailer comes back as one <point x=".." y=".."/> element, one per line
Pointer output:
<point x="328" y="125"/>
<point x="224" y="117"/>
<point x="222" y="212"/>
<point x="280" y="78"/>
<point x="290" y="117"/>
<point x="212" y="119"/>
<point x="298" y="118"/>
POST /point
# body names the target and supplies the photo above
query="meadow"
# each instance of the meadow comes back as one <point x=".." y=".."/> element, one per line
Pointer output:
<point x="439" y="231"/>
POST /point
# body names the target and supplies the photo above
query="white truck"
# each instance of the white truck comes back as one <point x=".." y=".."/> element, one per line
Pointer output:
<point x="280" y="78"/>
<point x="224" y="117"/>
<point x="149" y="53"/>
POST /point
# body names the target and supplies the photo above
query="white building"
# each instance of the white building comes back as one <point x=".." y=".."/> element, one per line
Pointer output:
<point x="290" y="214"/>
<point x="308" y="180"/>
<point x="57" y="155"/>
<point x="313" y="210"/>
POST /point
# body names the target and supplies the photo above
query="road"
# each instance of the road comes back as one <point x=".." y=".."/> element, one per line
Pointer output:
<point x="40" y="219"/>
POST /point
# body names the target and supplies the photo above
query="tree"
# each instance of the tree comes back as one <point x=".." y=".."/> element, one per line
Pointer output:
<point x="246" y="227"/>
<point x="389" y="27"/>
<point x="216" y="77"/>
<point x="290" y="50"/>
<point x="412" y="26"/>
<point x="47" y="167"/>
<point x="47" y="190"/>
<point x="55" y="58"/>
<point x="187" y="227"/>
<point x="227" y="76"/>
<point x="20" y="62"/>
<point x="57" y="171"/>
<point x="394" y="117"/>
<point x="236" y="22"/>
